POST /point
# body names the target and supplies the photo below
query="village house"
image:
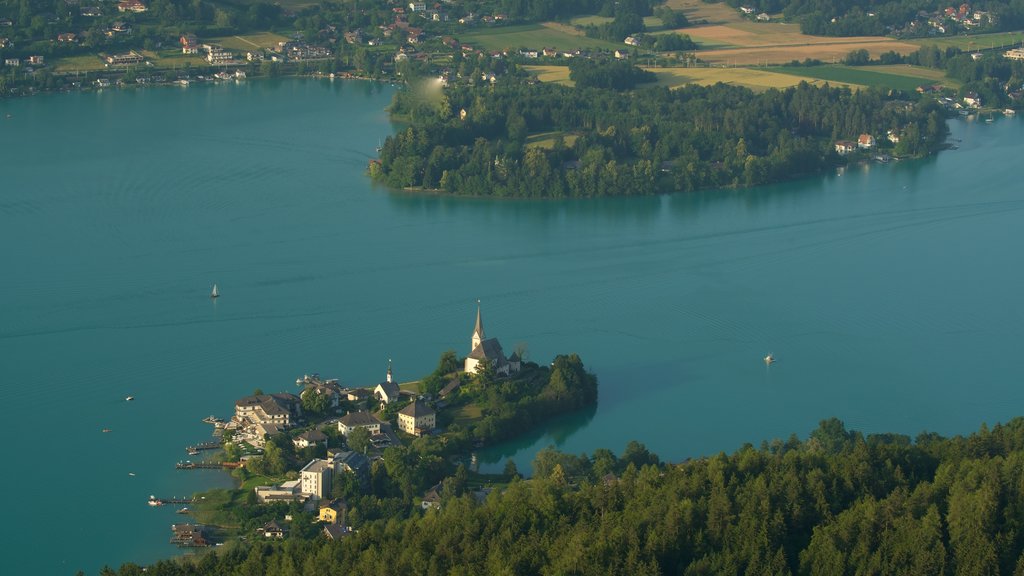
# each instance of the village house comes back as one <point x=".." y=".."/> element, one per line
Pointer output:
<point x="309" y="438"/>
<point x="90" y="11"/>
<point x="432" y="498"/>
<point x="417" y="418"/>
<point x="893" y="136"/>
<point x="483" y="349"/>
<point x="12" y="62"/>
<point x="335" y="531"/>
<point x="333" y="512"/>
<point x="972" y="99"/>
<point x="290" y="491"/>
<point x="866" y="141"/>
<point x="65" y="38"/>
<point x="315" y="385"/>
<point x="621" y="54"/>
<point x="844" y="147"/>
<point x="763" y="17"/>
<point x="189" y="44"/>
<point x="131" y="6"/>
<point x="350" y="462"/>
<point x="36" y="60"/>
<point x="272" y="530"/>
<point x="217" y="55"/>
<point x="353" y="420"/>
<point x="1014" y="54"/>
<point x="128" y="59"/>
<point x="631" y="41"/>
<point x="282" y="409"/>
<point x="418" y="6"/>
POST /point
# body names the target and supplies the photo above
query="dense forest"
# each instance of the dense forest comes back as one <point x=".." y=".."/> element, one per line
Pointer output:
<point x="837" y="503"/>
<point x="475" y="140"/>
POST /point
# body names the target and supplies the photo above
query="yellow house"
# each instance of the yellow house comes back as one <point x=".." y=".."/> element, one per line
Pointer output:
<point x="333" y="513"/>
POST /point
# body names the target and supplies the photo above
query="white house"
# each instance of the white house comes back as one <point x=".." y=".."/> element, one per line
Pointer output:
<point x="353" y="420"/>
<point x="416" y="418"/>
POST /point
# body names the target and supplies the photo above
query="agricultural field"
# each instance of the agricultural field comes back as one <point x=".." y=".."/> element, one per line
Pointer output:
<point x="698" y="10"/>
<point x="551" y="74"/>
<point x="534" y="36"/>
<point x="1001" y="40"/>
<point x="863" y="75"/>
<point x="832" y="51"/>
<point x="753" y="78"/>
<point x="249" y="41"/>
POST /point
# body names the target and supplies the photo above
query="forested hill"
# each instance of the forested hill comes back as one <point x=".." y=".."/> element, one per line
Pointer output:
<point x="837" y="503"/>
<point x="644" y="141"/>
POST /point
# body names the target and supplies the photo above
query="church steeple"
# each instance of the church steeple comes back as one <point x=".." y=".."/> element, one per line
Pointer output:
<point x="478" y="330"/>
<point x="389" y="370"/>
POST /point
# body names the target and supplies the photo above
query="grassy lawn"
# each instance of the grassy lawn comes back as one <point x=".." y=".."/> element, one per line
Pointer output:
<point x="533" y="36"/>
<point x="595" y="20"/>
<point x="85" y="63"/>
<point x="554" y="74"/>
<point x="546" y="140"/>
<point x="250" y="41"/>
<point x="865" y="76"/>
<point x="1004" y="40"/>
<point x="212" y="510"/>
<point x="468" y="414"/>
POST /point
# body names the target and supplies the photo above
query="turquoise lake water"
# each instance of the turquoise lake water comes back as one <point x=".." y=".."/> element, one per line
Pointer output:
<point x="890" y="295"/>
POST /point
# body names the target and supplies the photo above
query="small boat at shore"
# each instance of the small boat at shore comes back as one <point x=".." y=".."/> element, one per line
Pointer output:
<point x="214" y="293"/>
<point x="154" y="501"/>
<point x="769" y="360"/>
<point x="184" y="510"/>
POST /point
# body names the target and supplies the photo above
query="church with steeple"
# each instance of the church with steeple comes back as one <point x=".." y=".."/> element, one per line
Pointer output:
<point x="484" y="349"/>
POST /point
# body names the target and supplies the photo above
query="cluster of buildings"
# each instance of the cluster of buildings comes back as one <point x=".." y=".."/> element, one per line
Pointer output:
<point x="260" y="416"/>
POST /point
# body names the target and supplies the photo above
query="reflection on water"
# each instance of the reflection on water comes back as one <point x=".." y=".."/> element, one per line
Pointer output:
<point x="556" y="432"/>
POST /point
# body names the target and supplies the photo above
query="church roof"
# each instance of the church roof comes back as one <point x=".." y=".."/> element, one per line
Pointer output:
<point x="489" y="349"/>
<point x="390" y="389"/>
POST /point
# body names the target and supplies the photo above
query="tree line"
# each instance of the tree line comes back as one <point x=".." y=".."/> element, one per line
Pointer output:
<point x="836" y="503"/>
<point x="476" y="140"/>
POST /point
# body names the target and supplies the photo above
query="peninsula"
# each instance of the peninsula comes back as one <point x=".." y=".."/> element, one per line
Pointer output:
<point x="333" y="457"/>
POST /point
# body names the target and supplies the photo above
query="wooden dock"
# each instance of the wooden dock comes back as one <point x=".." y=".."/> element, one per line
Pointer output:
<point x="202" y="446"/>
<point x="206" y="465"/>
<point x="154" y="501"/>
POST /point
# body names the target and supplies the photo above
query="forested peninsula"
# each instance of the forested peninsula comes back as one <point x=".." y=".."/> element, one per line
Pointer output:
<point x="837" y="503"/>
<point x="601" y="141"/>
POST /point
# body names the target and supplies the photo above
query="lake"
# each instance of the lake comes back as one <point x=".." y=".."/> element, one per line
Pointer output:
<point x="889" y="295"/>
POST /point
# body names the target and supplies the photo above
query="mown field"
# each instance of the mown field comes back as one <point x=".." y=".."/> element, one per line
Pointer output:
<point x="533" y="36"/>
<point x="864" y="76"/>
<point x="552" y="74"/>
<point x="249" y="41"/>
<point x="84" y="63"/>
<point x="1004" y="40"/>
<point x="784" y="54"/>
<point x="753" y="78"/>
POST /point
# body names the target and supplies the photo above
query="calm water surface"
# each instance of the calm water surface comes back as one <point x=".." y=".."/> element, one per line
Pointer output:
<point x="890" y="295"/>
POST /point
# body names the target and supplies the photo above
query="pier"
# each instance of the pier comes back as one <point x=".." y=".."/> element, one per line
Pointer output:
<point x="154" y="501"/>
<point x="187" y="465"/>
<point x="202" y="446"/>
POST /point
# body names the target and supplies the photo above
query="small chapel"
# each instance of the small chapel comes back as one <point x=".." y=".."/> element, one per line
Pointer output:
<point x="484" y="349"/>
